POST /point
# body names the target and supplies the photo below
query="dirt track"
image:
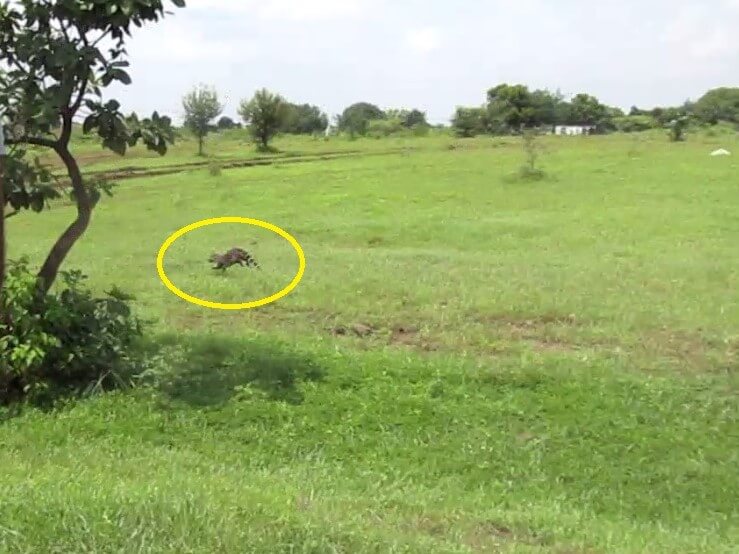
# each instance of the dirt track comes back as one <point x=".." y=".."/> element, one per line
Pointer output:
<point x="138" y="172"/>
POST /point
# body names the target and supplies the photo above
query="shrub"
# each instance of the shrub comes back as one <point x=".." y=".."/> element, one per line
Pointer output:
<point x="215" y="169"/>
<point x="469" y="122"/>
<point x="421" y="130"/>
<point x="381" y="128"/>
<point x="63" y="343"/>
<point x="677" y="128"/>
<point x="529" y="171"/>
<point x="634" y="123"/>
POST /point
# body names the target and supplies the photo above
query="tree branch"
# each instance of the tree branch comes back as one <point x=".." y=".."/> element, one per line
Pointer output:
<point x="101" y="37"/>
<point x="36" y="141"/>
<point x="66" y="133"/>
<point x="81" y="96"/>
<point x="64" y="30"/>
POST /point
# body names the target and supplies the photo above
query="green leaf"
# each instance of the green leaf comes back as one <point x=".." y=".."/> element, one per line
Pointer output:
<point x="122" y="76"/>
<point x="90" y="122"/>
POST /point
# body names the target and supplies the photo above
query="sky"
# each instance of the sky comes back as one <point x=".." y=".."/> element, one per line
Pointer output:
<point x="433" y="55"/>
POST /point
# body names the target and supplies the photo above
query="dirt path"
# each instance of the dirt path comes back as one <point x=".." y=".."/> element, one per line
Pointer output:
<point x="135" y="172"/>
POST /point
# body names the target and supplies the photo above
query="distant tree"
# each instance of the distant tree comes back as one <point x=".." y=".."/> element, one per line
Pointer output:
<point x="563" y="113"/>
<point x="304" y="119"/>
<point x="665" y="116"/>
<point x="385" y="127"/>
<point x="719" y="104"/>
<point x="633" y="123"/>
<point x="677" y="128"/>
<point x="545" y="105"/>
<point x="226" y="123"/>
<point x="469" y="122"/>
<point x="355" y="119"/>
<point x="408" y="118"/>
<point x="511" y="108"/>
<point x="201" y="107"/>
<point x="265" y="114"/>
<point x="415" y="118"/>
<point x="587" y="110"/>
<point x="394" y="113"/>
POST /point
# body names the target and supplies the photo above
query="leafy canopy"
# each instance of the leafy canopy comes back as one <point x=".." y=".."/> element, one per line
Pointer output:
<point x="201" y="107"/>
<point x="54" y="68"/>
<point x="56" y="57"/>
<point x="265" y="113"/>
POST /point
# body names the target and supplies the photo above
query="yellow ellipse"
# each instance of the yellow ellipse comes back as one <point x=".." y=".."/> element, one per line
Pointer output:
<point x="217" y="305"/>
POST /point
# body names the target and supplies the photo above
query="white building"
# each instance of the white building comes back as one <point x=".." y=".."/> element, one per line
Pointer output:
<point x="574" y="129"/>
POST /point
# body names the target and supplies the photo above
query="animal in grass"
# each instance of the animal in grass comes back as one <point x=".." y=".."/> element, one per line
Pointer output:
<point x="235" y="256"/>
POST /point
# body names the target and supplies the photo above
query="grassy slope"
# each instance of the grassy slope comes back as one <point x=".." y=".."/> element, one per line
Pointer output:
<point x="571" y="386"/>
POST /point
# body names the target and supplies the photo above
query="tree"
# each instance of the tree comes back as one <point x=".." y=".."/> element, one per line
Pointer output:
<point x="226" y="123"/>
<point x="407" y="118"/>
<point x="719" y="104"/>
<point x="665" y="116"/>
<point x="355" y="119"/>
<point x="510" y="108"/>
<point x="54" y="70"/>
<point x="414" y="118"/>
<point x="469" y="122"/>
<point x="633" y="123"/>
<point x="304" y="119"/>
<point x="2" y="214"/>
<point x="677" y="128"/>
<point x="201" y="107"/>
<point x="265" y="114"/>
<point x="587" y="110"/>
<point x="545" y="106"/>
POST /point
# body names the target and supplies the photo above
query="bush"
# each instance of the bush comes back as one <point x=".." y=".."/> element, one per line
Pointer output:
<point x="677" y="128"/>
<point x="634" y="123"/>
<point x="215" y="169"/>
<point x="469" y="122"/>
<point x="382" y="128"/>
<point x="64" y="343"/>
<point x="529" y="170"/>
<point x="421" y="130"/>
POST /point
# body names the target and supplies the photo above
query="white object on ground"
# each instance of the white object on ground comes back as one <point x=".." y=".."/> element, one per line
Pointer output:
<point x="721" y="152"/>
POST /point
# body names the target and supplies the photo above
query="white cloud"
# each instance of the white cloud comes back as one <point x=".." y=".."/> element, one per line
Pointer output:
<point x="178" y="40"/>
<point x="293" y="10"/>
<point x="423" y="40"/>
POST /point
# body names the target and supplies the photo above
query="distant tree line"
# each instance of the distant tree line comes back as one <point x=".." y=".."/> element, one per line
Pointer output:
<point x="268" y="114"/>
<point x="265" y="114"/>
<point x="511" y="109"/>
<point x="508" y="109"/>
<point x="363" y="118"/>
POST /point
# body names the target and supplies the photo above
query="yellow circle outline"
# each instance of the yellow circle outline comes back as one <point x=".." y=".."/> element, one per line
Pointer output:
<point x="217" y="305"/>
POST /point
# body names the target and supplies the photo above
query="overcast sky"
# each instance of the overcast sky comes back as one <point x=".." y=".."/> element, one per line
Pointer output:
<point x="434" y="54"/>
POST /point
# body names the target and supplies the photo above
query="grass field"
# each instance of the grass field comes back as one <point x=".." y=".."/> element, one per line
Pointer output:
<point x="543" y="366"/>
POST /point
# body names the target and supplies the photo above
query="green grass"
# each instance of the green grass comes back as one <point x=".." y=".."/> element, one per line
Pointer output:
<point x="565" y="380"/>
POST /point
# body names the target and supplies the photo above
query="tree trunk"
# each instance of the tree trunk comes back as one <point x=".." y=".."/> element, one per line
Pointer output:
<point x="2" y="216"/>
<point x="200" y="146"/>
<point x="2" y="223"/>
<point x="49" y="271"/>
